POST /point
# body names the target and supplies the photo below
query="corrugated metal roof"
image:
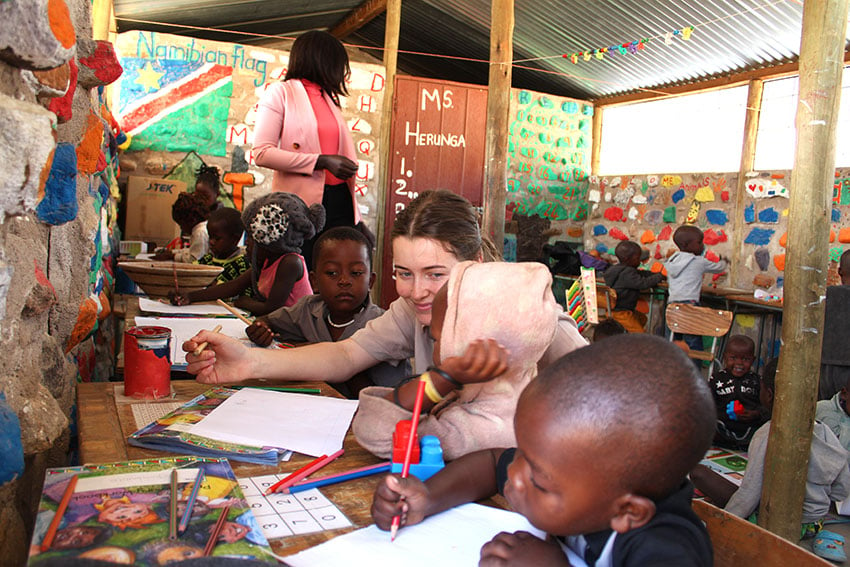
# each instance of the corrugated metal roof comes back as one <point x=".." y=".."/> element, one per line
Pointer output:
<point x="729" y="36"/>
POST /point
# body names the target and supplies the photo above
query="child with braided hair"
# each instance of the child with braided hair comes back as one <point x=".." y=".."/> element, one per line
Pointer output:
<point x="208" y="186"/>
<point x="276" y="226"/>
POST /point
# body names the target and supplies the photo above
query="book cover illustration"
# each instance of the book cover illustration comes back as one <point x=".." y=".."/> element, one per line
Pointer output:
<point x="120" y="512"/>
<point x="173" y="432"/>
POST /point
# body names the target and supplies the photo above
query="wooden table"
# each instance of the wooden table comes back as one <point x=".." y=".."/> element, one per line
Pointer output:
<point x="105" y="422"/>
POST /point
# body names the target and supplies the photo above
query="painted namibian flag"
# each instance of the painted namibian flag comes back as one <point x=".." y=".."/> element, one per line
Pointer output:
<point x="175" y="105"/>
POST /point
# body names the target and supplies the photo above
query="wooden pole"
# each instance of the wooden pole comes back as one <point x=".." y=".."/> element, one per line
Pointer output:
<point x="786" y="462"/>
<point x="596" y="141"/>
<point x="498" y="107"/>
<point x="748" y="155"/>
<point x="101" y="14"/>
<point x="391" y="33"/>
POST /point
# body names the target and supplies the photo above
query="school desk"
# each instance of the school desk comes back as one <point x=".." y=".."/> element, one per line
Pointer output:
<point x="105" y="421"/>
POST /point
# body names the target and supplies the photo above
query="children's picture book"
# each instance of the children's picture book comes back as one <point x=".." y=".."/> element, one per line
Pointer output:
<point x="127" y="513"/>
<point x="729" y="464"/>
<point x="173" y="432"/>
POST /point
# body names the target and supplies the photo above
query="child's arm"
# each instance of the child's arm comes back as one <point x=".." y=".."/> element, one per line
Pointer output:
<point x="217" y="291"/>
<point x="638" y="279"/>
<point x="714" y="267"/>
<point x="289" y="271"/>
<point x="467" y="479"/>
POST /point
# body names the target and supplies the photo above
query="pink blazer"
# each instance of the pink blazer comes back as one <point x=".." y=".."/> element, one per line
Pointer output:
<point x="286" y="139"/>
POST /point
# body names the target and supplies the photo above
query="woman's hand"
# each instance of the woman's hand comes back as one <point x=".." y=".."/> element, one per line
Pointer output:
<point x="339" y="166"/>
<point x="260" y="333"/>
<point x="482" y="361"/>
<point x="224" y="360"/>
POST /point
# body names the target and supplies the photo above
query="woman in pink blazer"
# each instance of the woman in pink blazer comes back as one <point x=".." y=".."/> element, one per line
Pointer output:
<point x="300" y="132"/>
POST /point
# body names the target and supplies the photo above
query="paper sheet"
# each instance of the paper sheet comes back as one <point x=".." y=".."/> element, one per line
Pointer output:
<point x="154" y="306"/>
<point x="184" y="328"/>
<point x="454" y="537"/>
<point x="311" y="425"/>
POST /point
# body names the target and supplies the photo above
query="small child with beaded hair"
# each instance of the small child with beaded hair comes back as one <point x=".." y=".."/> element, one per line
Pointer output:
<point x="276" y="226"/>
<point x="208" y="186"/>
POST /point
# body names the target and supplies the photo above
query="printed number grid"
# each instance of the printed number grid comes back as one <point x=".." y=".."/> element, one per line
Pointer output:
<point x="281" y="515"/>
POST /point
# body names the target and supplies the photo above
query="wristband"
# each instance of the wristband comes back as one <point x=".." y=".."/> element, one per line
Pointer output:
<point x="430" y="390"/>
<point x="396" y="400"/>
<point x="445" y="376"/>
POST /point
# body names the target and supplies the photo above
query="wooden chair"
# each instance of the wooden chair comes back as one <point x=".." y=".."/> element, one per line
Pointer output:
<point x="693" y="320"/>
<point x="737" y="542"/>
<point x="606" y="299"/>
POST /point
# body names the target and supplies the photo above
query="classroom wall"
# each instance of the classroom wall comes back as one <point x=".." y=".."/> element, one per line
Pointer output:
<point x="185" y="101"/>
<point x="57" y="209"/>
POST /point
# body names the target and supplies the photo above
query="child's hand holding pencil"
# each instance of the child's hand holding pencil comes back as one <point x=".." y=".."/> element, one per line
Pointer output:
<point x="396" y="496"/>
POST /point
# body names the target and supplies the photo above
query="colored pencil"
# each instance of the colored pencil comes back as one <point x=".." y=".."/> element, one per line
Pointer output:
<point x="283" y="389"/>
<point x="60" y="511"/>
<point x="405" y="469"/>
<point x="216" y="531"/>
<point x="172" y="507"/>
<point x="190" y="503"/>
<point x="304" y="471"/>
<point x="341" y="477"/>
<point x="234" y="311"/>
<point x="204" y="344"/>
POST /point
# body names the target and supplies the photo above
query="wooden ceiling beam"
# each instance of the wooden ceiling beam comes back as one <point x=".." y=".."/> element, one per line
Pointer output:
<point x="358" y="17"/>
<point x="730" y="80"/>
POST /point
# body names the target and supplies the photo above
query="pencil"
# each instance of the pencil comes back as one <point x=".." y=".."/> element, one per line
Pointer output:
<point x="172" y="507"/>
<point x="190" y="503"/>
<point x="204" y="344"/>
<point x="304" y="471"/>
<point x="405" y="469"/>
<point x="234" y="311"/>
<point x="216" y="531"/>
<point x="340" y="477"/>
<point x="283" y="389"/>
<point x="60" y="511"/>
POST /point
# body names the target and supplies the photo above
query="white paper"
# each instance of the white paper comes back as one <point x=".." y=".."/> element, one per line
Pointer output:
<point x="454" y="537"/>
<point x="307" y="424"/>
<point x="154" y="306"/>
<point x="184" y="328"/>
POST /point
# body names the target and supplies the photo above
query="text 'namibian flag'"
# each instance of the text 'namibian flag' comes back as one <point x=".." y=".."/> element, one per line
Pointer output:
<point x="175" y="105"/>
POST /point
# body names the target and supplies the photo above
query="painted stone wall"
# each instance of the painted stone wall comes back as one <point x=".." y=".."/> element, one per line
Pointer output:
<point x="185" y="101"/>
<point x="57" y="207"/>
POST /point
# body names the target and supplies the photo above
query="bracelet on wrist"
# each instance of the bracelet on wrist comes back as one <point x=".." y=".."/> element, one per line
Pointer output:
<point x="430" y="391"/>
<point x="445" y="376"/>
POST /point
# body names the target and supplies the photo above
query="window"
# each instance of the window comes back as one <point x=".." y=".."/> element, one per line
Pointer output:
<point x="777" y="134"/>
<point x="698" y="133"/>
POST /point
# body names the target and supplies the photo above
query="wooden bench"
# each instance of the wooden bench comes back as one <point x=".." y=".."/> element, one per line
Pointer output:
<point x="738" y="542"/>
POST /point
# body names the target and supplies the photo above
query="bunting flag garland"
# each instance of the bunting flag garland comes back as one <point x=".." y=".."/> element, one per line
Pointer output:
<point x="630" y="47"/>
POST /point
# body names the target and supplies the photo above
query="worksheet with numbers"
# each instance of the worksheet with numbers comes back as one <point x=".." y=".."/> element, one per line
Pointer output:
<point x="281" y="515"/>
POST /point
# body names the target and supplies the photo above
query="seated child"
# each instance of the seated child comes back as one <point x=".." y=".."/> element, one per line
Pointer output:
<point x="225" y="231"/>
<point x="487" y="344"/>
<point x="190" y="213"/>
<point x="208" y="186"/>
<point x="736" y="389"/>
<point x="604" y="445"/>
<point x="607" y="328"/>
<point x="628" y="281"/>
<point x="342" y="275"/>
<point x="833" y="414"/>
<point x="277" y="224"/>
<point x="835" y="356"/>
<point x="828" y="478"/>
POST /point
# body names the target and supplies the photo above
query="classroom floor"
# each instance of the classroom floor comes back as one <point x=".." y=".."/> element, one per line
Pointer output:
<point x="843" y="529"/>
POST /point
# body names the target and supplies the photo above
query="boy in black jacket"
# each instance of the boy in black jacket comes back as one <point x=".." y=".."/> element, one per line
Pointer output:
<point x="628" y="282"/>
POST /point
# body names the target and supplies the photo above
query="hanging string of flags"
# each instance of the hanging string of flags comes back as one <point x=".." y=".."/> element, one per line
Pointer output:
<point x="631" y="47"/>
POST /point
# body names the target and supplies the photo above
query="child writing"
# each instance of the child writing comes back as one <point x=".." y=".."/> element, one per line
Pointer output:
<point x="827" y="480"/>
<point x="190" y="213"/>
<point x="737" y="389"/>
<point x="208" y="186"/>
<point x="487" y="344"/>
<point x="685" y="269"/>
<point x="604" y="445"/>
<point x="277" y="224"/>
<point x="342" y="277"/>
<point x="628" y="281"/>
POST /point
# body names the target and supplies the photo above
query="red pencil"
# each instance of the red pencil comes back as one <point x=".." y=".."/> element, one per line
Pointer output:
<point x="60" y="511"/>
<point x="303" y="472"/>
<point x="414" y="423"/>
<point x="216" y="531"/>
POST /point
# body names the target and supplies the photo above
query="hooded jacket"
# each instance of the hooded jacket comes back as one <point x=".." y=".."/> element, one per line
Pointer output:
<point x="684" y="275"/>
